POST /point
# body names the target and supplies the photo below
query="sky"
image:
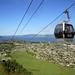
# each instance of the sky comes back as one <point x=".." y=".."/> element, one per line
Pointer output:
<point x="11" y="12"/>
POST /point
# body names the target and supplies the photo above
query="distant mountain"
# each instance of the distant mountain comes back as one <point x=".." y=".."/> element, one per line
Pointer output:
<point x="30" y="37"/>
<point x="43" y="35"/>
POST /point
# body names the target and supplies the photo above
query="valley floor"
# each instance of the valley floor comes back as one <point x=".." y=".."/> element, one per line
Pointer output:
<point x="42" y="58"/>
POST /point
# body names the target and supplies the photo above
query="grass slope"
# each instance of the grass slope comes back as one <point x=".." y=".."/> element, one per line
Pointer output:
<point x="39" y="67"/>
<point x="2" y="71"/>
<point x="19" y="71"/>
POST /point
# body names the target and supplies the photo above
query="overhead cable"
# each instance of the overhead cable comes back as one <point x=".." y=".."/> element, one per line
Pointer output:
<point x="22" y="18"/>
<point x="32" y="15"/>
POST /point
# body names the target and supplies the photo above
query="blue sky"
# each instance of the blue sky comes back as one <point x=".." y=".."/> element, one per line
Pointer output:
<point x="11" y="12"/>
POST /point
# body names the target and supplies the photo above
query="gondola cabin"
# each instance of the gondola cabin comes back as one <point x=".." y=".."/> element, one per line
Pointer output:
<point x="64" y="30"/>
